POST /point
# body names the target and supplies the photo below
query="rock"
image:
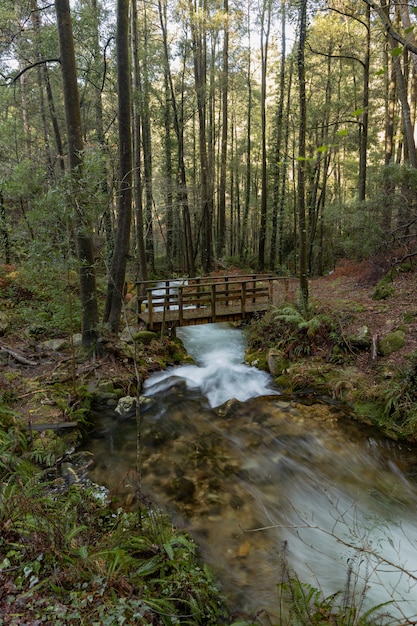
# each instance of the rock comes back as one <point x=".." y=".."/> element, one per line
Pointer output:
<point x="145" y="337"/>
<point x="126" y="407"/>
<point x="391" y="343"/>
<point x="55" y="344"/>
<point x="77" y="340"/>
<point x="362" y="339"/>
<point x="276" y="361"/>
<point x="4" y="323"/>
<point x="128" y="334"/>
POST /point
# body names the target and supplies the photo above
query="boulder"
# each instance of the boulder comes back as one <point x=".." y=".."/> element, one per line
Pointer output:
<point x="55" y="344"/>
<point x="361" y="339"/>
<point x="276" y="361"/>
<point x="391" y="343"/>
<point x="126" y="407"/>
<point x="145" y="337"/>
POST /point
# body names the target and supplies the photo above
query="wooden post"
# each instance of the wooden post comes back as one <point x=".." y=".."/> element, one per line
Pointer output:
<point x="243" y="300"/>
<point x="150" y="309"/>
<point x="180" y="305"/>
<point x="213" y="302"/>
<point x="270" y="290"/>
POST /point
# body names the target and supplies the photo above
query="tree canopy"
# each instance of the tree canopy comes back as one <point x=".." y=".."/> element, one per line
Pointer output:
<point x="207" y="139"/>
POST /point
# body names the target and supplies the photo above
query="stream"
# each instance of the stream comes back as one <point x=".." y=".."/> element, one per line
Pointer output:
<point x="256" y="477"/>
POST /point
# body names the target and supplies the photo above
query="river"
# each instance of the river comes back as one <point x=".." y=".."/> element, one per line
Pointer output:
<point x="259" y="478"/>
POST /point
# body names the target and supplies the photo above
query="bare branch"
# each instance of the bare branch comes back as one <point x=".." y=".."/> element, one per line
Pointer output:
<point x="31" y="66"/>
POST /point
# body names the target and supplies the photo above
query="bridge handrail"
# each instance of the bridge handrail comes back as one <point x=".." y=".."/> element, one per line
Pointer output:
<point x="215" y="292"/>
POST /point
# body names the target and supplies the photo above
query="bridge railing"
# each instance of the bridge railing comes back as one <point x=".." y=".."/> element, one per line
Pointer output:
<point x="212" y="296"/>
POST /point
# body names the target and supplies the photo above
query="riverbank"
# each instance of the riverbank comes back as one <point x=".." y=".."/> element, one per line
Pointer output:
<point x="358" y="345"/>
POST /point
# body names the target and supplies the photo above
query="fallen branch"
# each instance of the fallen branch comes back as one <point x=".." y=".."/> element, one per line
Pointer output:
<point x="17" y="356"/>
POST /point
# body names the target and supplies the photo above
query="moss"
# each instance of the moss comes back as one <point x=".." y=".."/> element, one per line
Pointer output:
<point x="391" y="343"/>
<point x="145" y="337"/>
<point x="384" y="289"/>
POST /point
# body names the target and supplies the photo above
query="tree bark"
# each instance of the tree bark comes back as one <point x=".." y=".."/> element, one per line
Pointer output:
<point x="75" y="150"/>
<point x="221" y="231"/>
<point x="142" y="268"/>
<point x="265" y="30"/>
<point x="302" y="159"/>
<point x="115" y="288"/>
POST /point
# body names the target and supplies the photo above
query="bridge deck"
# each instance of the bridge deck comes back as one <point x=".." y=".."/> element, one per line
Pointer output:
<point x="209" y="299"/>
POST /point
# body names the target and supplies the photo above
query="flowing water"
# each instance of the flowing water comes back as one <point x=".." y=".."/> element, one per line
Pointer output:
<point x="256" y="476"/>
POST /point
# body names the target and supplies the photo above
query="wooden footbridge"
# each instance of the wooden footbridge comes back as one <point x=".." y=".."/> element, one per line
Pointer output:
<point x="204" y="300"/>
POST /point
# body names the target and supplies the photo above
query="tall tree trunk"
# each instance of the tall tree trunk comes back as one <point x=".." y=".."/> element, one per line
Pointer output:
<point x="265" y="30"/>
<point x="75" y="149"/>
<point x="302" y="158"/>
<point x="142" y="268"/>
<point x="243" y="248"/>
<point x="278" y="156"/>
<point x="221" y="231"/>
<point x="36" y="27"/>
<point x="147" y="143"/>
<point x="115" y="288"/>
<point x="363" y="148"/>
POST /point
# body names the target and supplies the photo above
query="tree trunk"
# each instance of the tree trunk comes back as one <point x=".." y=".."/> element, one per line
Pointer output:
<point x="265" y="30"/>
<point x="75" y="149"/>
<point x="278" y="155"/>
<point x="243" y="247"/>
<point x="363" y="148"/>
<point x="142" y="268"/>
<point x="221" y="231"/>
<point x="302" y="159"/>
<point x="115" y="289"/>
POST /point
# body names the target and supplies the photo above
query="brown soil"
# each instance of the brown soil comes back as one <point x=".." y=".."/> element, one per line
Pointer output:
<point x="349" y="291"/>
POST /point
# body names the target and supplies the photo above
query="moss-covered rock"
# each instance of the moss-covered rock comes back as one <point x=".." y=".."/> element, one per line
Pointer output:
<point x="391" y="343"/>
<point x="383" y="289"/>
<point x="277" y="362"/>
<point x="145" y="337"/>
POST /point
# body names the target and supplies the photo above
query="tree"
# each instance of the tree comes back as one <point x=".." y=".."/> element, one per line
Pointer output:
<point x="302" y="226"/>
<point x="221" y="233"/>
<point x="75" y="152"/>
<point x="117" y="273"/>
<point x="266" y="15"/>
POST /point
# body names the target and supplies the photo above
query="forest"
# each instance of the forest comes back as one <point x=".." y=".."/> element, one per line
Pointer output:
<point x="177" y="138"/>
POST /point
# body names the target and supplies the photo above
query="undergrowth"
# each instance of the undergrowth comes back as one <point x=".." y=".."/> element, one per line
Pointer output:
<point x="67" y="558"/>
<point x="287" y="329"/>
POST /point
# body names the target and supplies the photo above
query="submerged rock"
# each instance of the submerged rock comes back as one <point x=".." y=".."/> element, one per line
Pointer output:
<point x="126" y="407"/>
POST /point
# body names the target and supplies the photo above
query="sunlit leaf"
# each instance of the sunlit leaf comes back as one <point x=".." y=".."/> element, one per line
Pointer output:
<point x="395" y="52"/>
<point x="358" y="112"/>
<point x="342" y="133"/>
<point x="322" y="149"/>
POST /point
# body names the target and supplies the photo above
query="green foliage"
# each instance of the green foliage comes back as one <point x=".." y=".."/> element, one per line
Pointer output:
<point x="39" y="297"/>
<point x="76" y="561"/>
<point x="289" y="330"/>
<point x="359" y="232"/>
<point x="392" y="403"/>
